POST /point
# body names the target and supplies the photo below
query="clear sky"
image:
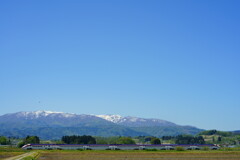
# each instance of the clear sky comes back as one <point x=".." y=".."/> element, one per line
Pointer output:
<point x="177" y="60"/>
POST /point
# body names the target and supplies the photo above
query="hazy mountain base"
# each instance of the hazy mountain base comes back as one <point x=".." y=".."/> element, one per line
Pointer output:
<point x="58" y="132"/>
<point x="104" y="131"/>
<point x="168" y="130"/>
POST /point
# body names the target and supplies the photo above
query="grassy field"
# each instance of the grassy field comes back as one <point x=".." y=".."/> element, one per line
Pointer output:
<point x="139" y="155"/>
<point x="6" y="152"/>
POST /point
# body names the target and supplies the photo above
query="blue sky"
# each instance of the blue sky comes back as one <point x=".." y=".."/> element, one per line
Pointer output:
<point x="168" y="59"/>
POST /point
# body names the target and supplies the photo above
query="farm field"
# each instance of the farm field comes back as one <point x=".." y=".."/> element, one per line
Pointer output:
<point x="4" y="155"/>
<point x="10" y="152"/>
<point x="139" y="155"/>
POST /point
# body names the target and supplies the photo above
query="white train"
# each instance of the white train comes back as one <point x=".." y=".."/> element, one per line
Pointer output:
<point x="114" y="147"/>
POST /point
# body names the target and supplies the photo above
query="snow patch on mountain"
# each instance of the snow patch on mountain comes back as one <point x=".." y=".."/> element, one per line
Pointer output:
<point x="119" y="119"/>
<point x="39" y="114"/>
<point x="112" y="118"/>
<point x="135" y="121"/>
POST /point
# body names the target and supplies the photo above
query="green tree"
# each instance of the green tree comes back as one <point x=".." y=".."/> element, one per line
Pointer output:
<point x="155" y="141"/>
<point x="20" y="144"/>
<point x="3" y="140"/>
<point x="213" y="139"/>
<point x="219" y="139"/>
<point x="29" y="140"/>
<point x="32" y="140"/>
<point x="125" y="140"/>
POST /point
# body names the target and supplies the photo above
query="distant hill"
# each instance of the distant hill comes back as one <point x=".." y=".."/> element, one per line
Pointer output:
<point x="53" y="125"/>
<point x="216" y="132"/>
<point x="236" y="132"/>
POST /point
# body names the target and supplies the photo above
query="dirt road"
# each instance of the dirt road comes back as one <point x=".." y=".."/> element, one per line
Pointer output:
<point x="19" y="157"/>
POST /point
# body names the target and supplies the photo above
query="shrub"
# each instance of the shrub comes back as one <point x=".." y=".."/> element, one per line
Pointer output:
<point x="179" y="148"/>
<point x="125" y="140"/>
<point x="3" y="140"/>
<point x="80" y="149"/>
<point x="20" y="144"/>
<point x="228" y="149"/>
<point x="154" y="149"/>
<point x="205" y="148"/>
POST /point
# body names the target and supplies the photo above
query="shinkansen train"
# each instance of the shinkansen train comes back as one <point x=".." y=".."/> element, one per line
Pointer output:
<point x="115" y="147"/>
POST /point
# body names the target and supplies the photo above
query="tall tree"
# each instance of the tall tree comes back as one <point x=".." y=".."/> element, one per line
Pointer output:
<point x="32" y="140"/>
<point x="155" y="141"/>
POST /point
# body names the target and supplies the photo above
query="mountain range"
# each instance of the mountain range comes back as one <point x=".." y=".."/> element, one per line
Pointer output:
<point x="54" y="125"/>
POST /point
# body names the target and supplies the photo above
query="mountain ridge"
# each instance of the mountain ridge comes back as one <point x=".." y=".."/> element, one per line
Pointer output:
<point x="41" y="123"/>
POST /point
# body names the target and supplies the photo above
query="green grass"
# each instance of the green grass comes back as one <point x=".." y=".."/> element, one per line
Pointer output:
<point x="11" y="149"/>
<point x="33" y="156"/>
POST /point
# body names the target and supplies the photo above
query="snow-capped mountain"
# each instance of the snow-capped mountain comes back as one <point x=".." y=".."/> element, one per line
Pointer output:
<point x="135" y="121"/>
<point x="117" y="119"/>
<point x="54" y="125"/>
<point x="50" y="118"/>
<point x="38" y="114"/>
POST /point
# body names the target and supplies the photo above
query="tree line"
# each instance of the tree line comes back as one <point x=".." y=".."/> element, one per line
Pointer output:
<point x="216" y="132"/>
<point x="87" y="139"/>
<point x="212" y="137"/>
<point x="187" y="139"/>
<point x="96" y="140"/>
<point x="79" y="139"/>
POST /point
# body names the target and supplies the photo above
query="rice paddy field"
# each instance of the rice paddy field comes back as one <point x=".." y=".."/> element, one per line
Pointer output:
<point x="139" y="155"/>
<point x="6" y="152"/>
